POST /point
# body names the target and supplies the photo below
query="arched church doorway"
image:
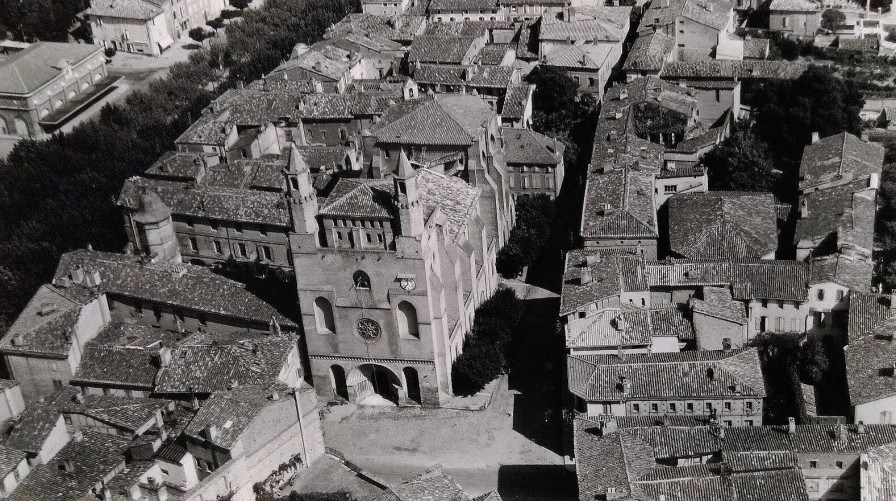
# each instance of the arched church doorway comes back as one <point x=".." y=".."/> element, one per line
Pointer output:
<point x="412" y="383"/>
<point x="374" y="384"/>
<point x="340" y="389"/>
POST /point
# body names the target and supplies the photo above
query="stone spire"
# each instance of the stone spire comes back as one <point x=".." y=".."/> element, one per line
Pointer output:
<point x="301" y="194"/>
<point x="407" y="197"/>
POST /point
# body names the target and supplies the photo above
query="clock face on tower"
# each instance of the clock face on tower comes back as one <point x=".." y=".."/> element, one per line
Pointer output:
<point x="408" y="284"/>
<point x="368" y="329"/>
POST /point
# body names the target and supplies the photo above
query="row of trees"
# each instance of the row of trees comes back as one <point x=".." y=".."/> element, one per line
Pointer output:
<point x="33" y="20"/>
<point x="58" y="195"/>
<point x="485" y="354"/>
<point x="534" y="218"/>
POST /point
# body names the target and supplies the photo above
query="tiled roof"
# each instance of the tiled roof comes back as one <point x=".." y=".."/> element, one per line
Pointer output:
<point x="733" y="374"/>
<point x="756" y="48"/>
<point x="742" y="70"/>
<point x="44" y="325"/>
<point x="524" y="146"/>
<point x="852" y="273"/>
<point x="594" y="23"/>
<point x="456" y="199"/>
<point x="207" y="363"/>
<point x="212" y="127"/>
<point x="400" y="29"/>
<point x="867" y="311"/>
<point x="498" y="77"/>
<point x="127" y="413"/>
<point x="515" y="101"/>
<point x="231" y="412"/>
<point x="432" y="485"/>
<point x="794" y="6"/>
<point x="493" y="53"/>
<point x="124" y="9"/>
<point x="117" y="365"/>
<point x="869" y="365"/>
<point x="590" y="57"/>
<point x="462" y="5"/>
<point x="846" y="210"/>
<point x="360" y="198"/>
<point x="839" y="158"/>
<point x="629" y="327"/>
<point x="749" y="279"/>
<point x="609" y="275"/>
<point x="619" y="204"/>
<point x="447" y="120"/>
<point x="203" y="200"/>
<point x="757" y="460"/>
<point x="322" y="59"/>
<point x="181" y="285"/>
<point x="96" y="457"/>
<point x="885" y="456"/>
<point x="10" y="459"/>
<point x="440" y="49"/>
<point x="33" y="428"/>
<point x="717" y="302"/>
<point x="867" y="44"/>
<point x="723" y="224"/>
<point x="709" y="13"/>
<point x="649" y="52"/>
<point x="28" y="70"/>
<point x="344" y="106"/>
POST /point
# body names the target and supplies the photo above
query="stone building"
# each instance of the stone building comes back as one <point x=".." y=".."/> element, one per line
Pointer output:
<point x="43" y="85"/>
<point x="839" y="179"/>
<point x="389" y="273"/>
<point x="878" y="473"/>
<point x="796" y="18"/>
<point x="697" y="26"/>
<point x="534" y="162"/>
<point x="724" y="386"/>
<point x="795" y="462"/>
<point x="148" y="26"/>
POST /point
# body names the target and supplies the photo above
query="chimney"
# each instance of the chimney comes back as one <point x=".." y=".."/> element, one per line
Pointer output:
<point x="194" y="403"/>
<point x="791" y="425"/>
<point x="607" y="427"/>
<point x="18" y="339"/>
<point x="804" y="209"/>
<point x="592" y="259"/>
<point x="860" y="428"/>
<point x="737" y="388"/>
<point x="164" y="356"/>
<point x="211" y="432"/>
<point x="585" y="278"/>
<point x="47" y="309"/>
<point x="275" y="396"/>
<point x="815" y="137"/>
<point x="711" y="373"/>
<point x="233" y="384"/>
<point x="93" y="278"/>
<point x="623" y="94"/>
<point x="78" y="436"/>
<point x="77" y="275"/>
<point x="78" y="398"/>
<point x="67" y="465"/>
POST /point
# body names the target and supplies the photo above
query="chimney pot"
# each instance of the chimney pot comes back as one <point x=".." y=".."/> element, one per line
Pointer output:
<point x="815" y="137"/>
<point x="791" y="425"/>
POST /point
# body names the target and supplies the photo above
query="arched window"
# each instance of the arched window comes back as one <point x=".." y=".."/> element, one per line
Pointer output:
<point x="407" y="320"/>
<point x="323" y="316"/>
<point x="361" y="280"/>
<point x="21" y="129"/>
<point x="412" y="384"/>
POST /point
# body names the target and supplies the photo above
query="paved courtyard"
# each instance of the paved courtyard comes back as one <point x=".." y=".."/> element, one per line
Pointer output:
<point x="480" y="450"/>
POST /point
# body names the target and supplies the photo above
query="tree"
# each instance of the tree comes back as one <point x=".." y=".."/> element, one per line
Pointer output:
<point x="534" y="216"/>
<point x="216" y="23"/>
<point x="485" y="350"/>
<point x="788" y="112"/>
<point x="240" y="4"/>
<point x="742" y="162"/>
<point x="199" y="34"/>
<point x="832" y="19"/>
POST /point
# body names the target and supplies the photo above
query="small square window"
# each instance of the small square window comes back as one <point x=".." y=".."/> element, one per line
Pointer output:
<point x="813" y="464"/>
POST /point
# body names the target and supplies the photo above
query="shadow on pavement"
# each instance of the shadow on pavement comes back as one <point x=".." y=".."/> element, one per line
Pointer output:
<point x="517" y="482"/>
<point x="536" y="378"/>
